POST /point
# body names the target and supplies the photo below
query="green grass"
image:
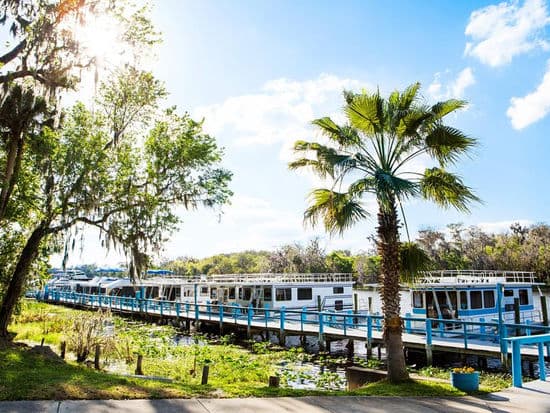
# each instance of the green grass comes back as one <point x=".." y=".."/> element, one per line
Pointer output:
<point x="234" y="371"/>
<point x="28" y="376"/>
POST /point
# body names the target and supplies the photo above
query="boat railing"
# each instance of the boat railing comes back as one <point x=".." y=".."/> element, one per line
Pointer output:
<point x="476" y="277"/>
<point x="260" y="278"/>
<point x="266" y="278"/>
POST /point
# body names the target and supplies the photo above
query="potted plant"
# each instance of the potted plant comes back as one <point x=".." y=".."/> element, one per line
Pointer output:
<point x="465" y="379"/>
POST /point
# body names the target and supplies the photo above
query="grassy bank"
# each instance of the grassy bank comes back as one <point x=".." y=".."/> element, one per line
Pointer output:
<point x="234" y="371"/>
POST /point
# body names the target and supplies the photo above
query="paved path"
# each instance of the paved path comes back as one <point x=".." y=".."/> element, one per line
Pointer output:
<point x="533" y="398"/>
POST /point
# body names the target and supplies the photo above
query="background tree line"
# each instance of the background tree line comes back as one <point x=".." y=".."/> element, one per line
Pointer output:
<point x="522" y="248"/>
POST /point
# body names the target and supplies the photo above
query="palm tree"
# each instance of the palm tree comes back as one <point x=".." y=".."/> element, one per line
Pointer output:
<point x="373" y="154"/>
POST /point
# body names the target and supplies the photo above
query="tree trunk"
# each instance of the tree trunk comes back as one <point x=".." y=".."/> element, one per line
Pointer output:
<point x="13" y="163"/>
<point x="19" y="276"/>
<point x="388" y="248"/>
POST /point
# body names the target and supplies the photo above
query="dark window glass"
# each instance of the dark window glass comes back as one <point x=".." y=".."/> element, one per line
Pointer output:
<point x="232" y="293"/>
<point x="339" y="305"/>
<point x="247" y="293"/>
<point x="489" y="299"/>
<point x="338" y="290"/>
<point x="523" y="297"/>
<point x="463" y="300"/>
<point x="475" y="299"/>
<point x="508" y="293"/>
<point x="267" y="293"/>
<point x="417" y="299"/>
<point x="213" y="293"/>
<point x="283" y="294"/>
<point x="304" y="294"/>
<point x="204" y="290"/>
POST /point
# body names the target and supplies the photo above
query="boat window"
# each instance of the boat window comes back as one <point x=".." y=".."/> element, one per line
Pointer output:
<point x="339" y="305"/>
<point x="523" y="297"/>
<point x="304" y="294"/>
<point x="267" y="293"/>
<point x="508" y="293"/>
<point x="247" y="293"/>
<point x="232" y="293"/>
<point x="475" y="299"/>
<point x="488" y="299"/>
<point x="204" y="290"/>
<point x="338" y="290"/>
<point x="213" y="293"/>
<point x="283" y="294"/>
<point x="417" y="299"/>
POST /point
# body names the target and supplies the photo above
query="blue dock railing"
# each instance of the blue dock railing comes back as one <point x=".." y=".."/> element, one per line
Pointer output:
<point x="540" y="340"/>
<point x="348" y="322"/>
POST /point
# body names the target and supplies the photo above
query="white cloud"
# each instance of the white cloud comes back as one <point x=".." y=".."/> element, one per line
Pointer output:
<point x="501" y="226"/>
<point x="280" y="113"/>
<point x="500" y="32"/>
<point x="524" y="111"/>
<point x="454" y="88"/>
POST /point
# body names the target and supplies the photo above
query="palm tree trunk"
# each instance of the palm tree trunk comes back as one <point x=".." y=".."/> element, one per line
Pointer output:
<point x="388" y="248"/>
<point x="18" y="278"/>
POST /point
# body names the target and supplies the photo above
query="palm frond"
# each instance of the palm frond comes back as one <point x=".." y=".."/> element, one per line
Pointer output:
<point x="446" y="189"/>
<point x="345" y="136"/>
<point x="409" y="95"/>
<point x="446" y="144"/>
<point x="441" y="109"/>
<point x="338" y="211"/>
<point x="366" y="113"/>
<point x="388" y="184"/>
<point x="413" y="260"/>
<point x="329" y="161"/>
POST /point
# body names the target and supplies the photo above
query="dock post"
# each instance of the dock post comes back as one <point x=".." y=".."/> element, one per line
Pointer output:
<point x="282" y="326"/>
<point x="322" y="343"/>
<point x="407" y="323"/>
<point x="97" y="355"/>
<point x="369" y="336"/>
<point x="63" y="349"/>
<point x="355" y="307"/>
<point x="429" y="355"/>
<point x="221" y="320"/>
<point x="249" y="321"/>
<point x="517" y="316"/>
<point x="501" y="329"/>
<point x="544" y="309"/>
<point x="303" y="318"/>
<point x="542" y="367"/>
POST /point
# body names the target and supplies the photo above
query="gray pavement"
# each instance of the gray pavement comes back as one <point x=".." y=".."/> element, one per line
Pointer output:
<point x="534" y="397"/>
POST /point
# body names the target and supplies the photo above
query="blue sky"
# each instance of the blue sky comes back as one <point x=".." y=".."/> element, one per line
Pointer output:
<point x="259" y="72"/>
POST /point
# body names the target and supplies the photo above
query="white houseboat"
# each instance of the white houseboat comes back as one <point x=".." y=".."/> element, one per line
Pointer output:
<point x="465" y="295"/>
<point x="329" y="291"/>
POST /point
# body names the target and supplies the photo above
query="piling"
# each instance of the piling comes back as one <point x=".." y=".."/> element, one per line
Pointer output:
<point x="96" y="358"/>
<point x="544" y="310"/>
<point x="274" y="381"/>
<point x="517" y="316"/>
<point x="350" y="347"/>
<point x="63" y="349"/>
<point x="139" y="370"/>
<point x="205" y="371"/>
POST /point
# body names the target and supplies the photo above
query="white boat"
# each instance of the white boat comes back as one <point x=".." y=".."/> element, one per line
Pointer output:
<point x="328" y="291"/>
<point x="467" y="295"/>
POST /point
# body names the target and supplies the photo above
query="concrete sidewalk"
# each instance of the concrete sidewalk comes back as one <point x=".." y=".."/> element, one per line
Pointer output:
<point x="533" y="398"/>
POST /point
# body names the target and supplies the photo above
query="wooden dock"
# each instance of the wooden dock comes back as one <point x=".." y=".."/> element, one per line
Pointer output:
<point x="487" y="339"/>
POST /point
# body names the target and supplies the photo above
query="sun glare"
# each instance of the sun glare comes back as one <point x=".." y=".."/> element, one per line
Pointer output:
<point x="100" y="38"/>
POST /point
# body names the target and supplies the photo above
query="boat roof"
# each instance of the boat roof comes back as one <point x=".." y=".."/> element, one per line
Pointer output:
<point x="255" y="279"/>
<point x="474" y="277"/>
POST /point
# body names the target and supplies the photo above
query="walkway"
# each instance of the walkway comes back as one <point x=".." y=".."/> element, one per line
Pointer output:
<point x="533" y="398"/>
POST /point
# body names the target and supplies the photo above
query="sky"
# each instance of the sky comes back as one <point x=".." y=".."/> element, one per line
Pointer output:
<point x="259" y="72"/>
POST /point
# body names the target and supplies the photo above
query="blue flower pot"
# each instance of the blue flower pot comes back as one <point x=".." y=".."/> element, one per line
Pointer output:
<point x="467" y="382"/>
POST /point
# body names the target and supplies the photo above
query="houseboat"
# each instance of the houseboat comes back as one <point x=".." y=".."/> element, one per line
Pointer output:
<point x="467" y="295"/>
<point x="329" y="291"/>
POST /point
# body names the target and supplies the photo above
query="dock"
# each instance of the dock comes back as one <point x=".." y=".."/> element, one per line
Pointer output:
<point x="483" y="339"/>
